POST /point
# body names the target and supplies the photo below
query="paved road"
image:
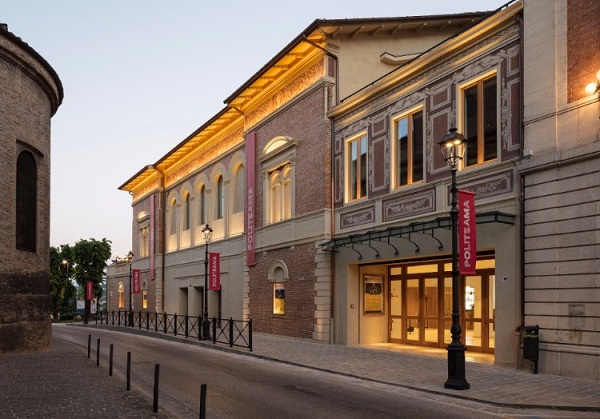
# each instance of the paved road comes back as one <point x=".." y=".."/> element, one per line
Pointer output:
<point x="247" y="387"/>
<point x="63" y="383"/>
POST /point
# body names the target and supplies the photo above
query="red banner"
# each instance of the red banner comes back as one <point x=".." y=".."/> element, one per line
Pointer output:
<point x="250" y="191"/>
<point x="89" y="290"/>
<point x="214" y="271"/>
<point x="135" y="279"/>
<point x="467" y="233"/>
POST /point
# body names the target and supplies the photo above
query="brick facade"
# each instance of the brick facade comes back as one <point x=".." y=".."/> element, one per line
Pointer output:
<point x="583" y="46"/>
<point x="298" y="320"/>
<point x="30" y="94"/>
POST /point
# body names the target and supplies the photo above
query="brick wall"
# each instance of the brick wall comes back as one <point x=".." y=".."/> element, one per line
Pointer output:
<point x="304" y="121"/>
<point x="583" y="46"/>
<point x="299" y="318"/>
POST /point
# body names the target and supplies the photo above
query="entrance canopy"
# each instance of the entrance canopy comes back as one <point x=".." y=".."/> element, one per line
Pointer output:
<point x="404" y="232"/>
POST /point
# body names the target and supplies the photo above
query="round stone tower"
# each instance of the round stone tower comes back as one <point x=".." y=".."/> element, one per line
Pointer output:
<point x="30" y="94"/>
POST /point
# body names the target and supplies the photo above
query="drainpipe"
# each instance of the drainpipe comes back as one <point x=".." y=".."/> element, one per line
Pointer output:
<point x="519" y="328"/>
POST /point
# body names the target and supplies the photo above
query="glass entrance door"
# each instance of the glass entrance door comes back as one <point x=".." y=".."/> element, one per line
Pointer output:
<point x="396" y="311"/>
<point x="420" y="301"/>
<point x="414" y="311"/>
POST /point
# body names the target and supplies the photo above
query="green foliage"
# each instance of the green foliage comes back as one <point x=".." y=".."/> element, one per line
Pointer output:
<point x="85" y="261"/>
<point x="61" y="269"/>
<point x="90" y="257"/>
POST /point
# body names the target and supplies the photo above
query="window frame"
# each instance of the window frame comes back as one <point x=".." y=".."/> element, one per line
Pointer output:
<point x="356" y="180"/>
<point x="395" y="175"/>
<point x="186" y="212"/>
<point x="201" y="218"/>
<point x="478" y="82"/>
<point x="279" y="191"/>
<point x="278" y="156"/>
<point x="220" y="197"/>
<point x="278" y="303"/>
<point x="144" y="240"/>
<point x="121" y="291"/>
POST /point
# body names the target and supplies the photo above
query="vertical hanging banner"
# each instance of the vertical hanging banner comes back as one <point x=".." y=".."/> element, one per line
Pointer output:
<point x="135" y="279"/>
<point x="250" y="191"/>
<point x="467" y="233"/>
<point x="89" y="290"/>
<point x="214" y="271"/>
<point x="151" y="237"/>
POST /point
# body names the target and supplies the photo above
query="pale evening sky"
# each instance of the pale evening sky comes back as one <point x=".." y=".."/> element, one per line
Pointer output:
<point x="139" y="76"/>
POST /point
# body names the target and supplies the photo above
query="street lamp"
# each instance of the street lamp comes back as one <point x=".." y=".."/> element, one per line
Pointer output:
<point x="453" y="147"/>
<point x="206" y="234"/>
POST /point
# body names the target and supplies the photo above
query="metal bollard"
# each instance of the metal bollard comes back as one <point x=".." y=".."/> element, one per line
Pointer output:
<point x="110" y="361"/>
<point x="128" y="371"/>
<point x="155" y="405"/>
<point x="89" y="345"/>
<point x="203" y="401"/>
<point x="98" y="353"/>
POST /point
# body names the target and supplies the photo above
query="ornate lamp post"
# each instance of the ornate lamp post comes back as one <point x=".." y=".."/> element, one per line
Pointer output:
<point x="206" y="234"/>
<point x="453" y="149"/>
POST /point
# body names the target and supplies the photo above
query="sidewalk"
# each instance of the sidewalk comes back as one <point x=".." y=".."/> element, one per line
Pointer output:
<point x="60" y="383"/>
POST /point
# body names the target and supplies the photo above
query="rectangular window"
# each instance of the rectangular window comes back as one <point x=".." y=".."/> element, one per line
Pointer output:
<point x="279" y="298"/>
<point x="356" y="178"/>
<point x="186" y="213"/>
<point x="480" y="125"/>
<point x="202" y="206"/>
<point x="280" y="194"/>
<point x="220" y="198"/>
<point x="144" y="299"/>
<point x="121" y="296"/>
<point x="408" y="149"/>
<point x="144" y="242"/>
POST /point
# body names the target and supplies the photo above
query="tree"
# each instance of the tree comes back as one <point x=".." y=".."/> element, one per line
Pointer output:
<point x="61" y="270"/>
<point x="90" y="257"/>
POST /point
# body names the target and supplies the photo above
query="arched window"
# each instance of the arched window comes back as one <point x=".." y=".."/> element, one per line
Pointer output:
<point x="278" y="168"/>
<point x="121" y="295"/>
<point x="280" y="194"/>
<point x="278" y="276"/>
<point x="173" y="219"/>
<point x="238" y="196"/>
<point x="26" y="202"/>
<point x="220" y="197"/>
<point x="186" y="212"/>
<point x="202" y="206"/>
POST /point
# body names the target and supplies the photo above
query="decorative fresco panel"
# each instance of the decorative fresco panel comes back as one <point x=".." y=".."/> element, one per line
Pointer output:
<point x="486" y="187"/>
<point x="409" y="205"/>
<point x="356" y="218"/>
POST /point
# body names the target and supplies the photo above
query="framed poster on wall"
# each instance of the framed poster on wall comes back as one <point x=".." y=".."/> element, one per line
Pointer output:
<point x="373" y="293"/>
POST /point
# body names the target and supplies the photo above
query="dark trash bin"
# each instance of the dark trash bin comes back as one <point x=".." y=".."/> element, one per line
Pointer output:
<point x="531" y="345"/>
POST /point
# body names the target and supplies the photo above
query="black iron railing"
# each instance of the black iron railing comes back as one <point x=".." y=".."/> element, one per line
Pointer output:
<point x="226" y="331"/>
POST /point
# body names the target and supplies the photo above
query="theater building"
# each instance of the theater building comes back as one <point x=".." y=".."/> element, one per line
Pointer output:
<point x="391" y="248"/>
<point x="259" y="173"/>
